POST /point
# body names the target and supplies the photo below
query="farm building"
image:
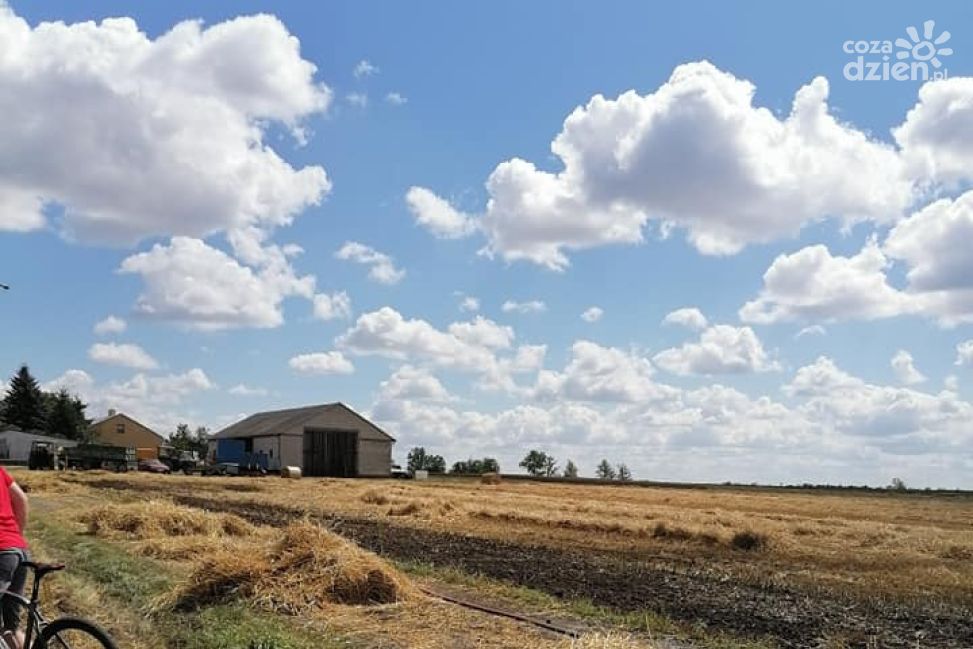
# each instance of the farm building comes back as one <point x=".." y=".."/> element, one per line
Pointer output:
<point x="118" y="429"/>
<point x="325" y="440"/>
<point x="15" y="444"/>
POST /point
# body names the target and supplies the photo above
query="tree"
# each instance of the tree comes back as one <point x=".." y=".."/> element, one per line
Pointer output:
<point x="550" y="466"/>
<point x="23" y="405"/>
<point x="476" y="467"/>
<point x="605" y="471"/>
<point x="538" y="463"/>
<point x="183" y="439"/>
<point x="570" y="470"/>
<point x="65" y="415"/>
<point x="623" y="474"/>
<point x="898" y="484"/>
<point x="419" y="460"/>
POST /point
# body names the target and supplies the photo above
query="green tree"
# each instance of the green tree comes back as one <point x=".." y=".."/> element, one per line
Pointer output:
<point x="570" y="470"/>
<point x="23" y="405"/>
<point x="65" y="416"/>
<point x="550" y="466"/>
<point x="476" y="467"/>
<point x="605" y="471"/>
<point x="538" y="463"/>
<point x="184" y="439"/>
<point x="623" y="474"/>
<point x="419" y="460"/>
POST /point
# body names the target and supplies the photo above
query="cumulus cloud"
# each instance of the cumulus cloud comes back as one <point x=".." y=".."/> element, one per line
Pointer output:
<point x="695" y="154"/>
<point x="437" y="215"/>
<point x="530" y="306"/>
<point x="381" y="267"/>
<point x="193" y="284"/>
<point x="813" y="285"/>
<point x="123" y="354"/>
<point x="483" y="332"/>
<point x="415" y="384"/>
<point x="158" y="401"/>
<point x="110" y="325"/>
<point x="597" y="373"/>
<point x="244" y="390"/>
<point x="321" y="363"/>
<point x="364" y="68"/>
<point x="469" y="304"/>
<point x="964" y="353"/>
<point x="137" y="137"/>
<point x="332" y="307"/>
<point x="937" y="134"/>
<point x="722" y="349"/>
<point x="689" y="317"/>
<point x="592" y="314"/>
<point x="905" y="370"/>
<point x="396" y="99"/>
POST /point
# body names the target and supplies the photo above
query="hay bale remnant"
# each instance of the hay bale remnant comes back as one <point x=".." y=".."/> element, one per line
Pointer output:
<point x="155" y="519"/>
<point x="307" y="567"/>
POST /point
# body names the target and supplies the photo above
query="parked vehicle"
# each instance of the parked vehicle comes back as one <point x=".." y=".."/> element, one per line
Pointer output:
<point x="400" y="473"/>
<point x="101" y="456"/>
<point x="44" y="456"/>
<point x="185" y="461"/>
<point x="153" y="466"/>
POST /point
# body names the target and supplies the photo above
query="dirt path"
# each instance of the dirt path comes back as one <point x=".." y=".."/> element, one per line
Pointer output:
<point x="694" y="595"/>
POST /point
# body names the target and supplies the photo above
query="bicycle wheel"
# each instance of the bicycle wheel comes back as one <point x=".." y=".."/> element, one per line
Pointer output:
<point x="73" y="633"/>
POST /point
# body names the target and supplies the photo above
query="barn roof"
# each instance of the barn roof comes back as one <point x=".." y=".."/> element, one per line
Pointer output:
<point x="261" y="424"/>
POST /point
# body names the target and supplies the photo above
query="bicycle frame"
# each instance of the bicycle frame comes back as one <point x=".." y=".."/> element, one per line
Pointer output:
<point x="35" y="620"/>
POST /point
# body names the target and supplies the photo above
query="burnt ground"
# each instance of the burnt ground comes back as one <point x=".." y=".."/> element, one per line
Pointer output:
<point x="694" y="595"/>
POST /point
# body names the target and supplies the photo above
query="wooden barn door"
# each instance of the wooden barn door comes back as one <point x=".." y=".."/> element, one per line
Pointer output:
<point x="330" y="453"/>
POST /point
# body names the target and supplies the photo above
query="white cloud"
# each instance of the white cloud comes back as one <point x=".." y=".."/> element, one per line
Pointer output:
<point x="191" y="283"/>
<point x="934" y="244"/>
<point x="437" y="215"/>
<point x="592" y="314"/>
<point x="964" y="353"/>
<point x="695" y="154"/>
<point x="110" y="325"/>
<point x="951" y="383"/>
<point x="605" y="374"/>
<point x="483" y="332"/>
<point x="243" y="390"/>
<point x="905" y="370"/>
<point x="157" y="401"/>
<point x="396" y="99"/>
<point x="358" y="99"/>
<point x="936" y="135"/>
<point x="413" y="383"/>
<point x="123" y="354"/>
<point x="810" y="330"/>
<point x="689" y="317"/>
<point x="531" y="306"/>
<point x="722" y="349"/>
<point x="469" y="304"/>
<point x="382" y="267"/>
<point x="138" y="137"/>
<point x="321" y="363"/>
<point x="811" y="284"/>
<point x="364" y="68"/>
<point x="332" y="307"/>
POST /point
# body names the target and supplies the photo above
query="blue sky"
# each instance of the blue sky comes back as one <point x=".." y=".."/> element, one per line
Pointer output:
<point x="476" y="86"/>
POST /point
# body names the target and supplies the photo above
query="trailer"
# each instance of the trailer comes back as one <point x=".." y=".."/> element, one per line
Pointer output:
<point x="186" y="461"/>
<point x="101" y="456"/>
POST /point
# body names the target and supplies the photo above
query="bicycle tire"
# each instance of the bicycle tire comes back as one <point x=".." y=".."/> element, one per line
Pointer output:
<point x="49" y="638"/>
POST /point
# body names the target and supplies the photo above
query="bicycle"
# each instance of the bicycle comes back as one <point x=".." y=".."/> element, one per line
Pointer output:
<point x="61" y="633"/>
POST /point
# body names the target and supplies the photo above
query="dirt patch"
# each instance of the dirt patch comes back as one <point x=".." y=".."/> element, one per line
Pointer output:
<point x="698" y="595"/>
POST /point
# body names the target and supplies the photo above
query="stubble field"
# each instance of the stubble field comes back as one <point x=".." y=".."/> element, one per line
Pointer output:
<point x="717" y="567"/>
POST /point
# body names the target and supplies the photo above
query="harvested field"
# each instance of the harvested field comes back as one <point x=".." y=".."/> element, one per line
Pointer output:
<point x="805" y="569"/>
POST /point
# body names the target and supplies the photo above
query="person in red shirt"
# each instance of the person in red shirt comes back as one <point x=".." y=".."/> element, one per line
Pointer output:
<point x="13" y="552"/>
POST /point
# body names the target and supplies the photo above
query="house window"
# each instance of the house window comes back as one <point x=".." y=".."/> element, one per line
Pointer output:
<point x="120" y="429"/>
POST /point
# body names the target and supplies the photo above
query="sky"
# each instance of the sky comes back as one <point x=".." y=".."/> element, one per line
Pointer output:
<point x="711" y="241"/>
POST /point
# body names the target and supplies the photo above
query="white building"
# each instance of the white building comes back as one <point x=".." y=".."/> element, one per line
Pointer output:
<point x="15" y="444"/>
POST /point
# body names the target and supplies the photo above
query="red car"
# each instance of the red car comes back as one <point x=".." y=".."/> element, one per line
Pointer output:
<point x="153" y="466"/>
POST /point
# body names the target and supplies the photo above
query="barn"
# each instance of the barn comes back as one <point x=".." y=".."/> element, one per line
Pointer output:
<point x="324" y="440"/>
<point x="15" y="444"/>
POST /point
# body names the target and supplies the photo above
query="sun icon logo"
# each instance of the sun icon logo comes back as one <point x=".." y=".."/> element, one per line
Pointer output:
<point x="925" y="48"/>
